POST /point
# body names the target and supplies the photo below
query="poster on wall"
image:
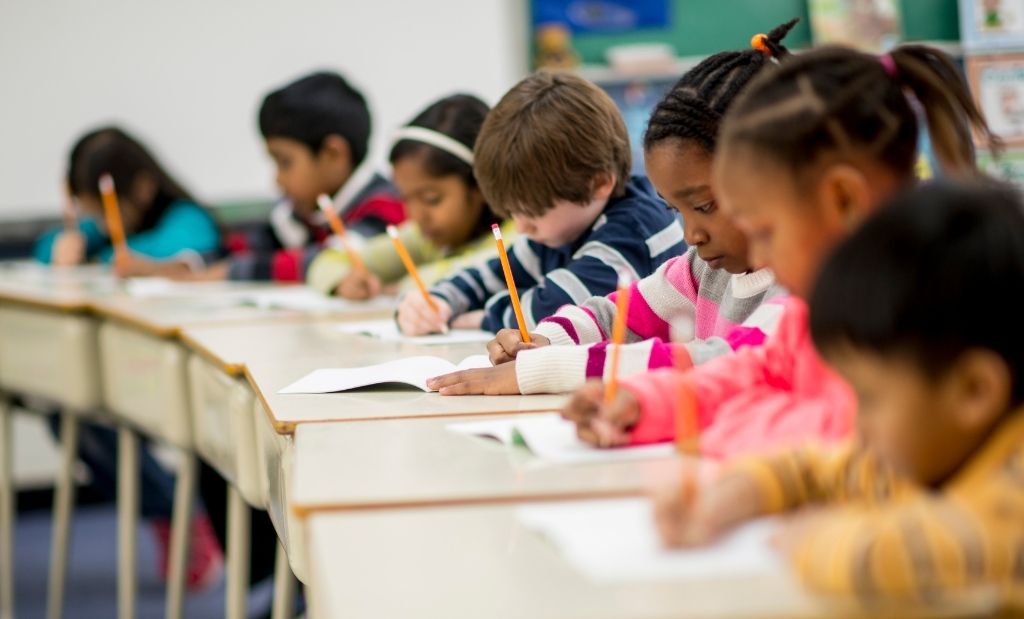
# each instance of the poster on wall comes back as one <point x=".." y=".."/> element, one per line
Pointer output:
<point x="997" y="82"/>
<point x="602" y="16"/>
<point x="992" y="24"/>
<point x="870" y="25"/>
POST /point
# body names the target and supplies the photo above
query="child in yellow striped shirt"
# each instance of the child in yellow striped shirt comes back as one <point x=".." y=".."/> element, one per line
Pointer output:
<point x="920" y="312"/>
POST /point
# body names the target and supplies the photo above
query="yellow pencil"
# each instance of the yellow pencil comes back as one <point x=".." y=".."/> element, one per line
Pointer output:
<point x="113" y="216"/>
<point x="410" y="266"/>
<point x="338" y="228"/>
<point x="618" y="336"/>
<point x="687" y="430"/>
<point x="511" y="283"/>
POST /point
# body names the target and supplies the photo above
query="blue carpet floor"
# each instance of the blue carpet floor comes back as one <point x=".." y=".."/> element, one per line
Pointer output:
<point x="92" y="571"/>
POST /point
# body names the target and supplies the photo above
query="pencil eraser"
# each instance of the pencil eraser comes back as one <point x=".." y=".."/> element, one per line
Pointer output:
<point x="106" y="184"/>
<point x="496" y="229"/>
<point x="324" y="202"/>
<point x="393" y="232"/>
<point x="624" y="279"/>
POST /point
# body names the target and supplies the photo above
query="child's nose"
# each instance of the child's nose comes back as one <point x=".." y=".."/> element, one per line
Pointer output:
<point x="694" y="235"/>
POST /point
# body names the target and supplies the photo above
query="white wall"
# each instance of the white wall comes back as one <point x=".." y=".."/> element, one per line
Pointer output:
<point x="188" y="75"/>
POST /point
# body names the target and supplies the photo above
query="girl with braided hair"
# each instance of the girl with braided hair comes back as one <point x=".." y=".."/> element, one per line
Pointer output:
<point x="712" y="287"/>
<point x="809" y="150"/>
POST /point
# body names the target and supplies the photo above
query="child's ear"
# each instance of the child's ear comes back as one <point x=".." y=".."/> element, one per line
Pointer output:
<point x="143" y="190"/>
<point x="979" y="386"/>
<point x="603" y="186"/>
<point x="846" y="195"/>
<point x="336" y="152"/>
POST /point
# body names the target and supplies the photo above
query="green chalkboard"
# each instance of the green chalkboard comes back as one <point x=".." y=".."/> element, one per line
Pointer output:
<point x="702" y="27"/>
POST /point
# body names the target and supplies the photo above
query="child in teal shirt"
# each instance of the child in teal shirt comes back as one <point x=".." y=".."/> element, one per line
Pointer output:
<point x="167" y="231"/>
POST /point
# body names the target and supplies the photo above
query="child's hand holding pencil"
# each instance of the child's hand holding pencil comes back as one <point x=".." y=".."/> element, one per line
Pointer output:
<point x="599" y="422"/>
<point x="509" y="342"/>
<point x="688" y="513"/>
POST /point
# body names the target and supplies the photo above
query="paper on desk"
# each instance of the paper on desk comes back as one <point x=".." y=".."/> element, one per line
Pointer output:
<point x="552" y="438"/>
<point x="161" y="287"/>
<point x="614" y="541"/>
<point x="387" y="331"/>
<point x="413" y="371"/>
<point x="304" y="299"/>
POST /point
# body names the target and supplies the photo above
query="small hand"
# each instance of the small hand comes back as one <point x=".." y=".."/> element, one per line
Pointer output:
<point x="507" y="344"/>
<point x="416" y="317"/>
<point x="497" y="380"/>
<point x="599" y="424"/>
<point x="68" y="249"/>
<point x="358" y="285"/>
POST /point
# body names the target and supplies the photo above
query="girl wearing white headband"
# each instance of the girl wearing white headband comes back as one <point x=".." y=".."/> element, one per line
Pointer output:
<point x="448" y="224"/>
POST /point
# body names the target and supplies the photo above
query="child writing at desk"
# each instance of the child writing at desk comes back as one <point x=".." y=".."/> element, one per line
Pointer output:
<point x="810" y="149"/>
<point x="449" y="226"/>
<point x="554" y="156"/>
<point x="164" y="225"/>
<point x="919" y="310"/>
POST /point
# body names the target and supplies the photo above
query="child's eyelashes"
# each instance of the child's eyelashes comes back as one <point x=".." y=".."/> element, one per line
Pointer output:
<point x="706" y="208"/>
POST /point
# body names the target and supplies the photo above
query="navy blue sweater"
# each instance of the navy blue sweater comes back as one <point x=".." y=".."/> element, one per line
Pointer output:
<point x="635" y="233"/>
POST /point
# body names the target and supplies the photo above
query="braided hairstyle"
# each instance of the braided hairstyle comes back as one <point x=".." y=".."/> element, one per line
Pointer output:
<point x="694" y="108"/>
<point x="836" y="101"/>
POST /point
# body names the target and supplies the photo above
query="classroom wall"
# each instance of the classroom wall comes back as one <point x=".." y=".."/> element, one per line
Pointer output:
<point x="188" y="76"/>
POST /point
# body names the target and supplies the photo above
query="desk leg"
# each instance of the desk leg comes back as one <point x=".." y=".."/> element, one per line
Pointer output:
<point x="238" y="555"/>
<point x="181" y="535"/>
<point x="127" y="519"/>
<point x="7" y="498"/>
<point x="284" y="586"/>
<point x="63" y="506"/>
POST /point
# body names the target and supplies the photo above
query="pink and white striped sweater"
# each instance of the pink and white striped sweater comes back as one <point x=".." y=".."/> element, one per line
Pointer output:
<point x="725" y="312"/>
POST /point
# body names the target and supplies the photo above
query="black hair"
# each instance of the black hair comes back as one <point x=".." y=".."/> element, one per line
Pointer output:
<point x="938" y="271"/>
<point x="836" y="100"/>
<point x="314" y="107"/>
<point x="459" y="117"/>
<point x="111" y="150"/>
<point x="694" y="107"/>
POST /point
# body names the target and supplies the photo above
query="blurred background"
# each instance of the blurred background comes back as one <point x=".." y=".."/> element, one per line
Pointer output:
<point x="188" y="76"/>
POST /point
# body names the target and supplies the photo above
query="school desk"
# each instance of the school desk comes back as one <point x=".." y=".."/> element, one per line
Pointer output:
<point x="225" y="413"/>
<point x="465" y="562"/>
<point x="48" y="350"/>
<point x="145" y="384"/>
<point x="272" y="355"/>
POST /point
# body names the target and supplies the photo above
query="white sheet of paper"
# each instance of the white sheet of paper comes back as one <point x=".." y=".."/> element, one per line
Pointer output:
<point x="615" y="541"/>
<point x="387" y="330"/>
<point x="303" y="299"/>
<point x="413" y="371"/>
<point x="552" y="438"/>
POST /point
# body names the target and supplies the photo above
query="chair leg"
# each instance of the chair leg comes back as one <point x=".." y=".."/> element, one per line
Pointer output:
<point x="63" y="507"/>
<point x="181" y="535"/>
<point x="7" y="498"/>
<point x="284" y="586"/>
<point x="127" y="520"/>
<point x="238" y="555"/>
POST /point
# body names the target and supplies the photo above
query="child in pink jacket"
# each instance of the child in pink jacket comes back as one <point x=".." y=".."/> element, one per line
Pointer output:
<point x="810" y="149"/>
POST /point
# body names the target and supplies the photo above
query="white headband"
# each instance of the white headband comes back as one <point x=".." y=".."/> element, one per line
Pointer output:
<point x="438" y="140"/>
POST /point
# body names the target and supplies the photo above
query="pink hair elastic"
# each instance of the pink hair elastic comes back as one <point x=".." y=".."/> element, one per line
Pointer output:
<point x="889" y="65"/>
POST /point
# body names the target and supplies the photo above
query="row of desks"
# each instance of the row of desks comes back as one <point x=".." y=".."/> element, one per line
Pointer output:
<point x="380" y="510"/>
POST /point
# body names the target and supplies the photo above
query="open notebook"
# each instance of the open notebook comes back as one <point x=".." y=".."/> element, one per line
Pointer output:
<point x="614" y="541"/>
<point x="412" y="371"/>
<point x="552" y="438"/>
<point x="387" y="330"/>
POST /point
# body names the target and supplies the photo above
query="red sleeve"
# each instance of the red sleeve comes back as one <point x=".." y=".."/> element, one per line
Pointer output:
<point x="382" y="206"/>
